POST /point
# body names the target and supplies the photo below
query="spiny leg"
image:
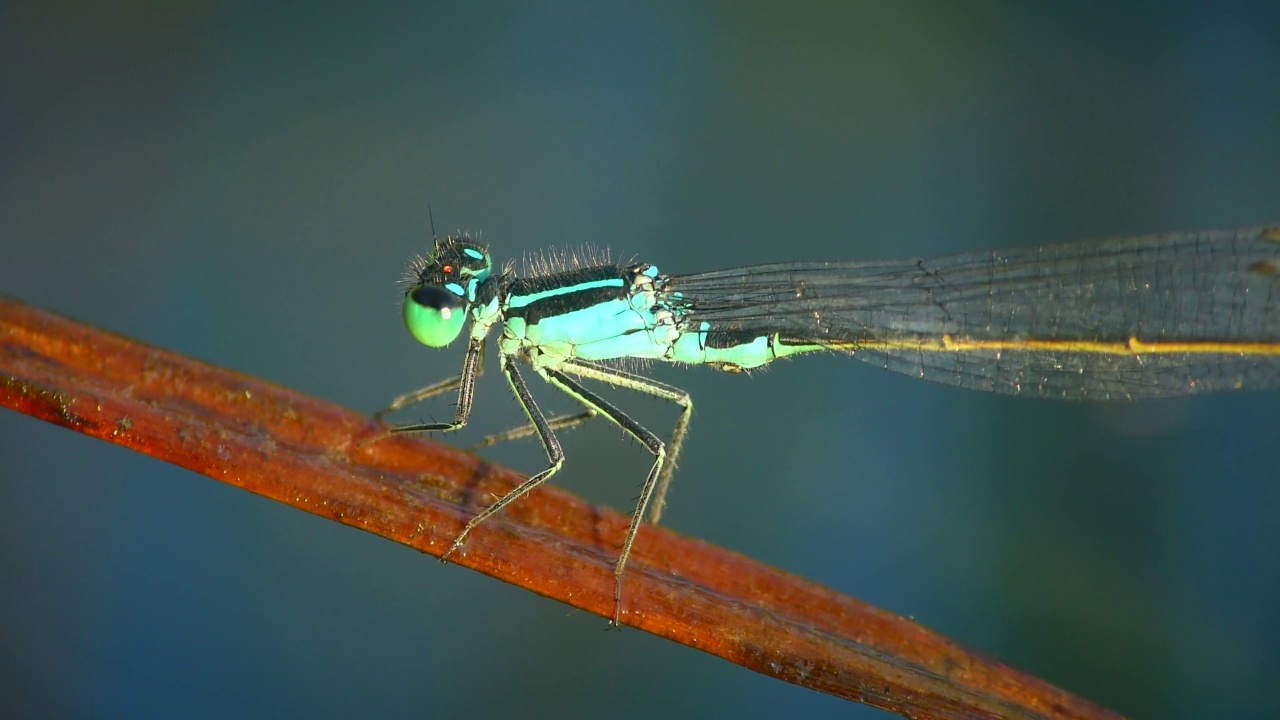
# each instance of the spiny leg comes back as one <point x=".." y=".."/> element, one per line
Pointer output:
<point x="555" y="456"/>
<point x="639" y="383"/>
<point x="588" y="398"/>
<point x="430" y="391"/>
<point x="563" y="422"/>
<point x="417" y="396"/>
<point x="472" y="367"/>
<point x="629" y="381"/>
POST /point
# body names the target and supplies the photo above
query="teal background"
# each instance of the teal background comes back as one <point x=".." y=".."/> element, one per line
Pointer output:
<point x="244" y="183"/>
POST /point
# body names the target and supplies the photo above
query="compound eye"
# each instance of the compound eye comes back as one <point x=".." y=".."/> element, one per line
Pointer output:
<point x="433" y="315"/>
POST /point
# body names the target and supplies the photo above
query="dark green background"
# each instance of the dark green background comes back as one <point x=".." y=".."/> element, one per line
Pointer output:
<point x="244" y="185"/>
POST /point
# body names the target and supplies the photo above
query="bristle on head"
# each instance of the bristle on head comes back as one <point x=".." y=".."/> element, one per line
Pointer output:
<point x="419" y="264"/>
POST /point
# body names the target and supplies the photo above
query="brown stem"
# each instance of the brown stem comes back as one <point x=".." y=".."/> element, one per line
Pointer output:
<point x="341" y="465"/>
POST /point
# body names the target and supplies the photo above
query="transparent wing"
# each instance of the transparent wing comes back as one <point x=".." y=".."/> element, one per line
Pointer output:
<point x="1142" y="317"/>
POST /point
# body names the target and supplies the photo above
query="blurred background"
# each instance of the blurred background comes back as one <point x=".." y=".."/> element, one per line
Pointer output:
<point x="244" y="185"/>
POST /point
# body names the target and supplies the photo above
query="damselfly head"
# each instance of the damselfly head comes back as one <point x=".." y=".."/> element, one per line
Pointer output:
<point x="441" y="285"/>
<point x="454" y="259"/>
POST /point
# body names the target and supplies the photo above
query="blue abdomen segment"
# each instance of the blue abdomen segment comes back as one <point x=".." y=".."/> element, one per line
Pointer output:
<point x="732" y="351"/>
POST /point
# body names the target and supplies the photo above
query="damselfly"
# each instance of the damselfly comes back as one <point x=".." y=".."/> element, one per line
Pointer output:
<point x="1128" y="318"/>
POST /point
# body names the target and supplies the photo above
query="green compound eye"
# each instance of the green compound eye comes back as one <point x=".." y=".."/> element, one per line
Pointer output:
<point x="433" y="315"/>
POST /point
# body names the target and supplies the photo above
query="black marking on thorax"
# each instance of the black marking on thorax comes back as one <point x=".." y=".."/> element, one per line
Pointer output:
<point x="565" y="302"/>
